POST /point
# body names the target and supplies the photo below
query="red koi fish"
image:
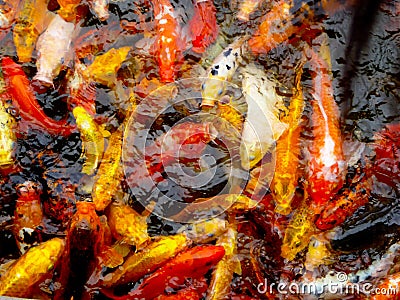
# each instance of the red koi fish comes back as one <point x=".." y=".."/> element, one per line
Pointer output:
<point x="167" y="46"/>
<point x="326" y="171"/>
<point x="18" y="87"/>
<point x="193" y="263"/>
<point x="203" y="26"/>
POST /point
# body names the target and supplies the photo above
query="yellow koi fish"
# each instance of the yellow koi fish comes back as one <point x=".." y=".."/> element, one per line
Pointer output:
<point x="104" y="67"/>
<point x="127" y="225"/>
<point x="205" y="231"/>
<point x="262" y="126"/>
<point x="110" y="172"/>
<point x="223" y="273"/>
<point x="298" y="233"/>
<point x="147" y="260"/>
<point x="92" y="140"/>
<point x="285" y="179"/>
<point x="8" y="138"/>
<point x="31" y="268"/>
<point x="31" y="20"/>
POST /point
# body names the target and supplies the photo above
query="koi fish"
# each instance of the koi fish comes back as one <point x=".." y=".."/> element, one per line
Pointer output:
<point x="318" y="254"/>
<point x="28" y="215"/>
<point x="104" y="67"/>
<point x="279" y="25"/>
<point x="223" y="273"/>
<point x="192" y="263"/>
<point x="147" y="260"/>
<point x="262" y="126"/>
<point x="326" y="166"/>
<point x="109" y="175"/>
<point x="246" y="8"/>
<point x="213" y="206"/>
<point x="31" y="268"/>
<point x="92" y="139"/>
<point x="127" y="225"/>
<point x="21" y="92"/>
<point x="205" y="231"/>
<point x="344" y="205"/>
<point x="53" y="46"/>
<point x="167" y="46"/>
<point x="84" y="246"/>
<point x="221" y="71"/>
<point x="67" y="9"/>
<point x="287" y="150"/>
<point x="8" y="138"/>
<point x="298" y="233"/>
<point x="203" y="25"/>
<point x="230" y="112"/>
<point x="31" y="20"/>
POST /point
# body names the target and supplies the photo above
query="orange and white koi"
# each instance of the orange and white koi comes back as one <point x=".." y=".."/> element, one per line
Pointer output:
<point x="168" y="44"/>
<point x="31" y="20"/>
<point x="327" y="165"/>
<point x="53" y="46"/>
<point x="92" y="139"/>
<point x="31" y="269"/>
<point x="286" y="175"/>
<point x="222" y="71"/>
<point x="28" y="215"/>
<point x="262" y="126"/>
<point x="203" y="25"/>
<point x="147" y="260"/>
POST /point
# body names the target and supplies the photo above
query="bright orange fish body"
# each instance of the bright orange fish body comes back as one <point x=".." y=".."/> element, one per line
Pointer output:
<point x="203" y="26"/>
<point x="167" y="46"/>
<point x="21" y="92"/>
<point x="326" y="166"/>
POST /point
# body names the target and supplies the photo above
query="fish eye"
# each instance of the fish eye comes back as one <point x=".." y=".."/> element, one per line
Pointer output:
<point x="203" y="86"/>
<point x="220" y="92"/>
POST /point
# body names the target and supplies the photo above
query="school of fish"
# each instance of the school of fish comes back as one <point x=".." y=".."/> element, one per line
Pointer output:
<point x="82" y="83"/>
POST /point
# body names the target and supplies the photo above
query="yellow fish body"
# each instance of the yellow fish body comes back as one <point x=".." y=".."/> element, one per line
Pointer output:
<point x="92" y="140"/>
<point x="147" y="260"/>
<point x="127" y="225"/>
<point x="205" y="231"/>
<point x="298" y="233"/>
<point x="8" y="138"/>
<point x="285" y="179"/>
<point x="110" y="172"/>
<point x="31" y="268"/>
<point x="223" y="273"/>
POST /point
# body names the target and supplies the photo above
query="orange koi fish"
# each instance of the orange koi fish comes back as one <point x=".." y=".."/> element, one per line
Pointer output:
<point x="278" y="27"/>
<point x="193" y="263"/>
<point x="327" y="166"/>
<point x="203" y="26"/>
<point x="28" y="215"/>
<point x="168" y="42"/>
<point x="344" y="205"/>
<point x="68" y="9"/>
<point x="21" y="92"/>
<point x="285" y="179"/>
<point x="31" y="269"/>
<point x="85" y="245"/>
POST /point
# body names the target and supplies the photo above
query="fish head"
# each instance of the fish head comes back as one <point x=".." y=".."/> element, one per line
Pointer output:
<point x="283" y="189"/>
<point x="212" y="89"/>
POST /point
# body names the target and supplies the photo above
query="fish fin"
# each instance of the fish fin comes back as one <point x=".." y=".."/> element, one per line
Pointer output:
<point x="110" y="257"/>
<point x="236" y="266"/>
